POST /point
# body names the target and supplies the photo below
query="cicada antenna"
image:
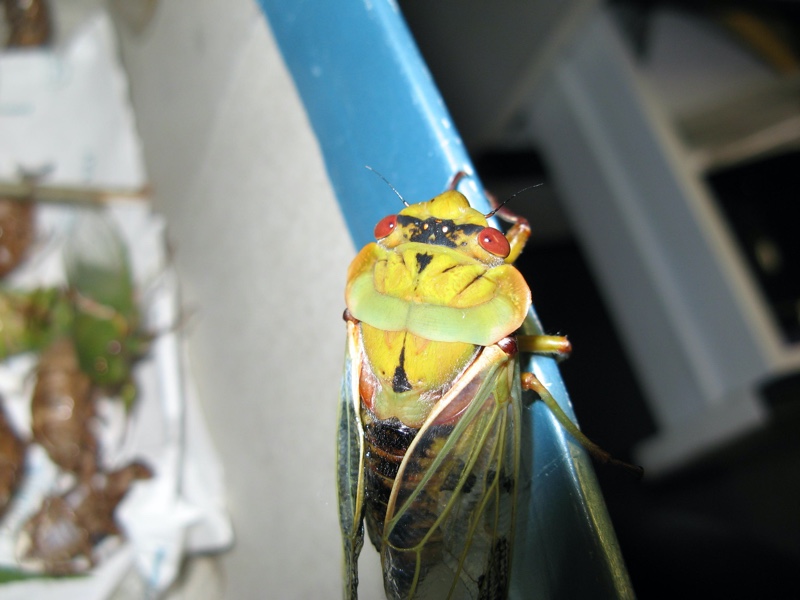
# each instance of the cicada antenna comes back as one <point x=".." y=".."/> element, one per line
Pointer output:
<point x="514" y="195"/>
<point x="389" y="184"/>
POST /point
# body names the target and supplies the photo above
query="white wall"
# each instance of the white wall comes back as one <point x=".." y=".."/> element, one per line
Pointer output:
<point x="262" y="253"/>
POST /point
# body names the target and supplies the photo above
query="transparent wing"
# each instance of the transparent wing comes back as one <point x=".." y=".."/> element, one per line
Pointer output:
<point x="97" y="262"/>
<point x="350" y="470"/>
<point x="450" y="521"/>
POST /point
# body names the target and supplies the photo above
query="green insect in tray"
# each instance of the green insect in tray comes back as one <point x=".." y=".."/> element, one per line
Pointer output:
<point x="431" y="409"/>
<point x="106" y="329"/>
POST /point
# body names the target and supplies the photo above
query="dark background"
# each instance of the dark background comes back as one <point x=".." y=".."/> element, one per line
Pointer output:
<point x="727" y="525"/>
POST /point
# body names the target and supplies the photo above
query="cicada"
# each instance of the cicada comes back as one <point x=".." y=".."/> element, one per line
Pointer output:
<point x="431" y="403"/>
<point x="63" y="410"/>
<point x="106" y="328"/>
<point x="29" y="23"/>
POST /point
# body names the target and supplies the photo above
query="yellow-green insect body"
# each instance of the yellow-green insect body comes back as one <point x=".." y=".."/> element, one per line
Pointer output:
<point x="430" y="415"/>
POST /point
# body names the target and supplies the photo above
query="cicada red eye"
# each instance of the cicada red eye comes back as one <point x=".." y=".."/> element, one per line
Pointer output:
<point x="385" y="226"/>
<point x="494" y="241"/>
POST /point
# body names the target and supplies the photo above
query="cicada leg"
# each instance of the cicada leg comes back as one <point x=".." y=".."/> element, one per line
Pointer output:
<point x="556" y="346"/>
<point x="520" y="231"/>
<point x="559" y="347"/>
<point x="456" y="179"/>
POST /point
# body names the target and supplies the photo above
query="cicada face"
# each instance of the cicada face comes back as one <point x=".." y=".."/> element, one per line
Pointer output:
<point x="447" y="221"/>
<point x="429" y="427"/>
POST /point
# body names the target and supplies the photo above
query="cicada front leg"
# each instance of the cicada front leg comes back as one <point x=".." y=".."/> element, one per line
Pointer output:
<point x="517" y="235"/>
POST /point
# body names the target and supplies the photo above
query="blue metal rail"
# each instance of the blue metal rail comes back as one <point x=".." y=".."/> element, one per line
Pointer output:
<point x="371" y="101"/>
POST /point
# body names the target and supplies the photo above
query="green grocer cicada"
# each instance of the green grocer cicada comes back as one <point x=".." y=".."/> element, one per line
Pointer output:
<point x="106" y="329"/>
<point x="431" y="408"/>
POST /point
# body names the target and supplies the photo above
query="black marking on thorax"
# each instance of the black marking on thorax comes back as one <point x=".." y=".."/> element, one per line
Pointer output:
<point x="400" y="381"/>
<point x="423" y="260"/>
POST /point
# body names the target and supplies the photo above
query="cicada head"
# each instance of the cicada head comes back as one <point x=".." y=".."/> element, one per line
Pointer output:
<point x="447" y="220"/>
<point x="438" y="271"/>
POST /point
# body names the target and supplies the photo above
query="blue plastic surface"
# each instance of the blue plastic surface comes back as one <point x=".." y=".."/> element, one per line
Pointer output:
<point x="371" y="101"/>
